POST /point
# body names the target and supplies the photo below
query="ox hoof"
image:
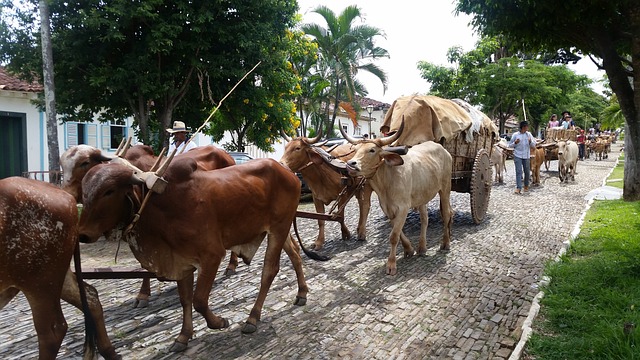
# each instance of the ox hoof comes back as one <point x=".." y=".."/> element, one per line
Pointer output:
<point x="249" y="328"/>
<point x="316" y="247"/>
<point x="422" y="252"/>
<point x="178" y="347"/>
<point x="300" y="301"/>
<point x="229" y="272"/>
<point x="392" y="271"/>
<point x="141" y="303"/>
<point x="444" y="249"/>
<point x="408" y="254"/>
<point x="362" y="237"/>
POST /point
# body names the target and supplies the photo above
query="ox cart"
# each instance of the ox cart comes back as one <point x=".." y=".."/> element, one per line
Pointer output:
<point x="551" y="135"/>
<point x="466" y="133"/>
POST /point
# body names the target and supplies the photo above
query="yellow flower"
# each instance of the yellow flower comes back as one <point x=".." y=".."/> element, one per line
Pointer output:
<point x="246" y="101"/>
<point x="264" y="116"/>
<point x="269" y="104"/>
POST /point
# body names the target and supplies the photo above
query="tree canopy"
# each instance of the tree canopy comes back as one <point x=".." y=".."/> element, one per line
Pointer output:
<point x="499" y="83"/>
<point x="606" y="30"/>
<point x="158" y="58"/>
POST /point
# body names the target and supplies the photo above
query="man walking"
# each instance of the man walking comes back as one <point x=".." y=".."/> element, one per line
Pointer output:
<point x="522" y="142"/>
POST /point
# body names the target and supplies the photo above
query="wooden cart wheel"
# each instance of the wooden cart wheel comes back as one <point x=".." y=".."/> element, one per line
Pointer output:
<point x="480" y="187"/>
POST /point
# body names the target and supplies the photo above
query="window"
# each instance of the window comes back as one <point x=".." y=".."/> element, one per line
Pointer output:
<point x="345" y="128"/>
<point x="113" y="133"/>
<point x="77" y="133"/>
<point x="358" y="131"/>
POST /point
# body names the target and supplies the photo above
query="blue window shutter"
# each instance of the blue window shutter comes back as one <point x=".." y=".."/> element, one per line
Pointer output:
<point x="92" y="134"/>
<point x="72" y="134"/>
<point x="106" y="136"/>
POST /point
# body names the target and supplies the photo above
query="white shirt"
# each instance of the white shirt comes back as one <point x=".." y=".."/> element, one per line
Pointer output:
<point x="190" y="146"/>
<point x="522" y="149"/>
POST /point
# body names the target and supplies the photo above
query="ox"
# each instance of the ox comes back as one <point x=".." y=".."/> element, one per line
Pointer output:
<point x="199" y="216"/>
<point x="324" y="182"/>
<point x="405" y="182"/>
<point x="537" y="158"/>
<point x="498" y="159"/>
<point x="567" y="159"/>
<point x="78" y="160"/>
<point x="38" y="232"/>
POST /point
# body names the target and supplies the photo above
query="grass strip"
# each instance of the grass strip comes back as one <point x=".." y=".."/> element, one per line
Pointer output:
<point x="591" y="306"/>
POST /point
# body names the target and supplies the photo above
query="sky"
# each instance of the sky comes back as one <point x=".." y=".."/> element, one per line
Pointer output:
<point x="415" y="31"/>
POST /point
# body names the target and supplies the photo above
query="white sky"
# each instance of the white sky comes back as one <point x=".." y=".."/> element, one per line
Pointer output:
<point x="415" y="30"/>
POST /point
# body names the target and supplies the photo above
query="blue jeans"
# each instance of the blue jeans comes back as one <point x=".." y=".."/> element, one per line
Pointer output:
<point x="522" y="164"/>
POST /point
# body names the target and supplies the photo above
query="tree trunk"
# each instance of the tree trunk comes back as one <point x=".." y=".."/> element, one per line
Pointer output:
<point x="49" y="93"/>
<point x="629" y="98"/>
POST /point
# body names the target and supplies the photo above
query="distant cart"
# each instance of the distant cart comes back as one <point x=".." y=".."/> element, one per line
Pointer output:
<point x="551" y="135"/>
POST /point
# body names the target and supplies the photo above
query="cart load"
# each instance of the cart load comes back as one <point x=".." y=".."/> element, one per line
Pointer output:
<point x="466" y="133"/>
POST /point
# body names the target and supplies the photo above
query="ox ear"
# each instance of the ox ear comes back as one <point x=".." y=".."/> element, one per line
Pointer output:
<point x="315" y="157"/>
<point x="99" y="157"/>
<point x="392" y="159"/>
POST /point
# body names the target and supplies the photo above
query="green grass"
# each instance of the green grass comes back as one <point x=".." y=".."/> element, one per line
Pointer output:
<point x="594" y="291"/>
<point x="618" y="173"/>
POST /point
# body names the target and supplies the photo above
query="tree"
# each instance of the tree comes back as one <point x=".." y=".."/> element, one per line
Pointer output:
<point x="345" y="49"/>
<point x="608" y="30"/>
<point x="612" y="117"/>
<point x="49" y="92"/>
<point x="488" y="76"/>
<point x="120" y="58"/>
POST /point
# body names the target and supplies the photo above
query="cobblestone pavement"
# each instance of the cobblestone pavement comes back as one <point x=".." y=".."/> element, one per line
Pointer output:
<point x="465" y="304"/>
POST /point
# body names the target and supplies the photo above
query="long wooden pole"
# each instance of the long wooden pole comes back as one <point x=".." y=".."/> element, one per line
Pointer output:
<point x="218" y="106"/>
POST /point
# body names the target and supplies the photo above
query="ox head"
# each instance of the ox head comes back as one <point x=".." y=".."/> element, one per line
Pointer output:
<point x="76" y="162"/>
<point x="562" y="146"/>
<point x="370" y="154"/>
<point x="107" y="199"/>
<point x="298" y="151"/>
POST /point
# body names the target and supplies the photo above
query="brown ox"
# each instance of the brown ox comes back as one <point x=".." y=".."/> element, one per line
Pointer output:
<point x="325" y="183"/>
<point x="199" y="216"/>
<point x="424" y="172"/>
<point x="78" y="160"/>
<point x="38" y="232"/>
<point x="537" y="158"/>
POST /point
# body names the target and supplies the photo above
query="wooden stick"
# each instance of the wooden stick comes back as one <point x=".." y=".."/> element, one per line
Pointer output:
<point x="218" y="106"/>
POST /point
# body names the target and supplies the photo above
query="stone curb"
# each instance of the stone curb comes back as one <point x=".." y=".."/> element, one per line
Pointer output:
<point x="527" y="329"/>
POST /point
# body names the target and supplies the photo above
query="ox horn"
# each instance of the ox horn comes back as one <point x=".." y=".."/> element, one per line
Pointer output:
<point x="285" y="136"/>
<point x="346" y="136"/>
<point x="166" y="163"/>
<point x="315" y="139"/>
<point x="390" y="139"/>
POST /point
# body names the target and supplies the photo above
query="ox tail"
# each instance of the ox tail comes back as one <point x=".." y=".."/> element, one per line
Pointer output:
<point x="311" y="254"/>
<point x="90" y="332"/>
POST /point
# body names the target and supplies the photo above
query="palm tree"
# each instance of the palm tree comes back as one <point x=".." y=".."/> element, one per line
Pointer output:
<point x="344" y="49"/>
<point x="612" y="117"/>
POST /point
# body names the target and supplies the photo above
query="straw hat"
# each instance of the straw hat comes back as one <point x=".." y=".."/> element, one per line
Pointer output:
<point x="178" y="126"/>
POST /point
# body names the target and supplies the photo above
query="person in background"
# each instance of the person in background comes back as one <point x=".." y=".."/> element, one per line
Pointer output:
<point x="522" y="142"/>
<point x="179" y="141"/>
<point x="553" y="122"/>
<point x="581" y="139"/>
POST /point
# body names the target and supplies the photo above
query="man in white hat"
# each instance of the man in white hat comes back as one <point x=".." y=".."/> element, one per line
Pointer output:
<point x="179" y="133"/>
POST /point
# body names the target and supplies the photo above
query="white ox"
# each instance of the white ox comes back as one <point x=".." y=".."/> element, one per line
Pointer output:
<point x="567" y="159"/>
<point x="498" y="159"/>
<point x="405" y="182"/>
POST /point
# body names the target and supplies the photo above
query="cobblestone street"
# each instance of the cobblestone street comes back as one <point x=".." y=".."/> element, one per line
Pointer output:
<point x="468" y="303"/>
